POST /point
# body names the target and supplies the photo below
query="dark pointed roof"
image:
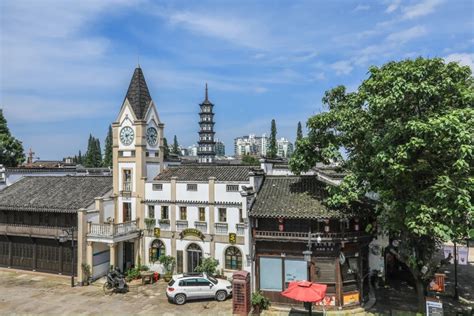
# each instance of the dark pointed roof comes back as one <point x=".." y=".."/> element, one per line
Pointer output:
<point x="206" y="98"/>
<point x="138" y="94"/>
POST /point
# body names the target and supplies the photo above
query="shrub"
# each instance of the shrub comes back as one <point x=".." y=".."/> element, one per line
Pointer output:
<point x="208" y="265"/>
<point x="260" y="301"/>
<point x="168" y="263"/>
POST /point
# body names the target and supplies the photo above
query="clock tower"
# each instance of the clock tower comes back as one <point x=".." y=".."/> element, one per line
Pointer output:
<point x="137" y="153"/>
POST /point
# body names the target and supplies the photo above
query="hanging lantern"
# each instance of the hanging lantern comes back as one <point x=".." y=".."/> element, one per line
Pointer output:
<point x="356" y="225"/>
<point x="326" y="226"/>
<point x="281" y="224"/>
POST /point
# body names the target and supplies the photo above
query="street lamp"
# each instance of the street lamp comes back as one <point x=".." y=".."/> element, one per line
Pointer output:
<point x="66" y="234"/>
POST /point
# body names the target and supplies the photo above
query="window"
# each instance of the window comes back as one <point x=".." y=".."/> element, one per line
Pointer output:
<point x="270" y="274"/>
<point x="192" y="187"/>
<point x="157" y="187"/>
<point x="241" y="216"/>
<point x="233" y="258"/>
<point x="127" y="180"/>
<point x="202" y="214"/>
<point x="164" y="212"/>
<point x="295" y="270"/>
<point x="222" y="215"/>
<point x="151" y="211"/>
<point x="157" y="249"/>
<point x="183" y="213"/>
<point x="232" y="188"/>
<point x="127" y="211"/>
<point x="203" y="282"/>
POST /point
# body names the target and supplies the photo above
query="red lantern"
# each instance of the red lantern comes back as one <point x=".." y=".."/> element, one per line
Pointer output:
<point x="281" y="224"/>
<point x="356" y="225"/>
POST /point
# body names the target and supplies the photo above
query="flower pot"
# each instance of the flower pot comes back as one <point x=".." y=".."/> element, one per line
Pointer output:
<point x="167" y="278"/>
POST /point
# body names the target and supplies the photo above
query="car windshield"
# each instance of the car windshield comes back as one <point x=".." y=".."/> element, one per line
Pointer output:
<point x="213" y="280"/>
<point x="171" y="282"/>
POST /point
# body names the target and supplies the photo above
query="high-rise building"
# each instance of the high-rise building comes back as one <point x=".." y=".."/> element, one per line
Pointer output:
<point x="220" y="148"/>
<point x="193" y="150"/>
<point x="285" y="148"/>
<point x="206" y="145"/>
<point x="251" y="145"/>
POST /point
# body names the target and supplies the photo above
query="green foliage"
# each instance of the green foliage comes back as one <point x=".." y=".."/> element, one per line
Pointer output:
<point x="250" y="160"/>
<point x="168" y="263"/>
<point x="175" y="146"/>
<point x="132" y="274"/>
<point x="272" y="148"/>
<point x="166" y="149"/>
<point x="408" y="132"/>
<point x="93" y="157"/>
<point x="108" y="149"/>
<point x="259" y="300"/>
<point x="299" y="134"/>
<point x="11" y="149"/>
<point x="86" y="269"/>
<point x="150" y="223"/>
<point x="208" y="265"/>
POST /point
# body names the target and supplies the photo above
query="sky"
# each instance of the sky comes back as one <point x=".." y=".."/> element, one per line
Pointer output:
<point x="65" y="66"/>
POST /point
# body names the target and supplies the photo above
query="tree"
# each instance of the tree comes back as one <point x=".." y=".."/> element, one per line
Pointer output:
<point x="166" y="149"/>
<point x="79" y="158"/>
<point x="175" y="146"/>
<point x="299" y="134"/>
<point x="408" y="133"/>
<point x="93" y="157"/>
<point x="272" y="149"/>
<point x="108" y="149"/>
<point x="98" y="153"/>
<point x="208" y="265"/>
<point x="11" y="149"/>
<point x="250" y="160"/>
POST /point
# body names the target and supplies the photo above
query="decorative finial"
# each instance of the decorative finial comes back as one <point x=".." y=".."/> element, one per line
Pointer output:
<point x="206" y="93"/>
<point x="138" y="61"/>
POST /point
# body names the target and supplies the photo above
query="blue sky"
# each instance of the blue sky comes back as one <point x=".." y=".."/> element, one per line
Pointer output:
<point x="65" y="66"/>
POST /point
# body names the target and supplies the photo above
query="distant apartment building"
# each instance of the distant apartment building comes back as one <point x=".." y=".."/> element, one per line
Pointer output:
<point x="285" y="148"/>
<point x="193" y="150"/>
<point x="251" y="145"/>
<point x="220" y="148"/>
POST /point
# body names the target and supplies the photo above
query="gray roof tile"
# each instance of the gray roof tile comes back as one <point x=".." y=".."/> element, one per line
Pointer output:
<point x="138" y="94"/>
<point x="203" y="172"/>
<point x="54" y="194"/>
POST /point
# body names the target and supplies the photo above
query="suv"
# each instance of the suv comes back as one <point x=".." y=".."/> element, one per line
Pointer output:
<point x="190" y="286"/>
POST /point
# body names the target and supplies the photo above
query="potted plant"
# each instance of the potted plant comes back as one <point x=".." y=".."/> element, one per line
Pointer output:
<point x="150" y="223"/>
<point x="168" y="263"/>
<point x="208" y="266"/>
<point x="259" y="302"/>
<point x="164" y="221"/>
<point x="86" y="270"/>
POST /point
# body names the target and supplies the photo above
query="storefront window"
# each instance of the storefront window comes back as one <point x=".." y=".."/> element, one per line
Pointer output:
<point x="295" y="270"/>
<point x="157" y="249"/>
<point x="270" y="274"/>
<point x="233" y="258"/>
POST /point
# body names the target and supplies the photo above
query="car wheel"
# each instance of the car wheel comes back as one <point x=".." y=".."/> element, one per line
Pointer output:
<point x="221" y="296"/>
<point x="180" y="299"/>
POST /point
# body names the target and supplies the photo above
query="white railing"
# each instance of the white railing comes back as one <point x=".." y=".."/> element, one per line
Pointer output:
<point x="202" y="226"/>
<point x="112" y="230"/>
<point x="221" y="228"/>
<point x="305" y="236"/>
<point x="240" y="228"/>
<point x="181" y="225"/>
<point x="127" y="186"/>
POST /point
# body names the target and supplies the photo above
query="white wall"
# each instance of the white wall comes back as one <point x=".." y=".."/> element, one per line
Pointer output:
<point x="165" y="194"/>
<point x="108" y="209"/>
<point x="223" y="195"/>
<point x="202" y="193"/>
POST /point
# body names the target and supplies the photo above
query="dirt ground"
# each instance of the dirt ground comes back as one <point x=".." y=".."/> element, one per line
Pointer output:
<point x="23" y="292"/>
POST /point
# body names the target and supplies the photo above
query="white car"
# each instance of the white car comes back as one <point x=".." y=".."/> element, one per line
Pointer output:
<point x="191" y="286"/>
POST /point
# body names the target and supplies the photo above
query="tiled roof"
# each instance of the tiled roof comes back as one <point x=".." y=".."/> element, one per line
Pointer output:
<point x="54" y="194"/>
<point x="138" y="94"/>
<point x="203" y="172"/>
<point x="293" y="197"/>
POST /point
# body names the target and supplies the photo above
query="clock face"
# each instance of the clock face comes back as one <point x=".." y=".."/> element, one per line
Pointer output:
<point x="126" y="135"/>
<point x="151" y="136"/>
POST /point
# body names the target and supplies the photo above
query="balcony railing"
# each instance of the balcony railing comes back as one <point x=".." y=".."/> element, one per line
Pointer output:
<point x="31" y="230"/>
<point x="164" y="224"/>
<point x="127" y="186"/>
<point x="263" y="234"/>
<point x="181" y="225"/>
<point x="112" y="230"/>
<point x="240" y="228"/>
<point x="202" y="226"/>
<point x="221" y="228"/>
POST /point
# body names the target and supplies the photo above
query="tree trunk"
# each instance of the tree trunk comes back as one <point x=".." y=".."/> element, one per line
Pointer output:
<point x="420" y="292"/>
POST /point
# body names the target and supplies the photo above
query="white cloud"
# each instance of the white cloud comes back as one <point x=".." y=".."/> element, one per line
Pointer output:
<point x="393" y="6"/>
<point x="462" y="58"/>
<point x="362" y="7"/>
<point x="407" y="35"/>
<point x="342" y="67"/>
<point x="422" y="8"/>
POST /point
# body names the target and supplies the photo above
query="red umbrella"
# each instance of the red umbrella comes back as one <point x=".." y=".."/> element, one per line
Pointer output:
<point x="305" y="291"/>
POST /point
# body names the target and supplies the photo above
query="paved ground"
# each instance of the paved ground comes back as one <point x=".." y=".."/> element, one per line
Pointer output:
<point x="23" y="292"/>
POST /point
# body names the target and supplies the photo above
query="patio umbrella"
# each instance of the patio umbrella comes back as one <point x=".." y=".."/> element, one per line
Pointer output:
<point x="305" y="291"/>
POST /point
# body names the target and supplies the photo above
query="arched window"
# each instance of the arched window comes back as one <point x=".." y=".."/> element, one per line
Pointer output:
<point x="157" y="249"/>
<point x="233" y="258"/>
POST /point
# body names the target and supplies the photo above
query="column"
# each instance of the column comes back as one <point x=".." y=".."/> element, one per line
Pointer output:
<point x="113" y="255"/>
<point x="173" y="216"/>
<point x="212" y="201"/>
<point x="90" y="256"/>
<point x="82" y="230"/>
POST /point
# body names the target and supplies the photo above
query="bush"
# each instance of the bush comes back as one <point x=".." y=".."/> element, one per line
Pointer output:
<point x="168" y="263"/>
<point x="132" y="274"/>
<point x="208" y="265"/>
<point x="260" y="301"/>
